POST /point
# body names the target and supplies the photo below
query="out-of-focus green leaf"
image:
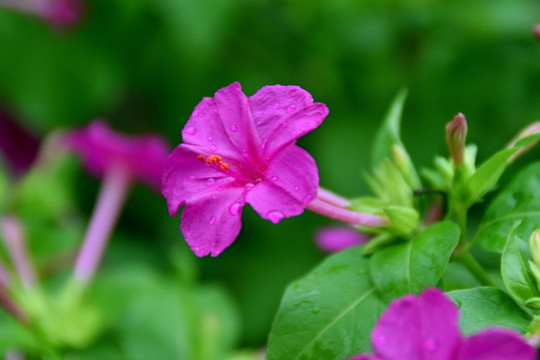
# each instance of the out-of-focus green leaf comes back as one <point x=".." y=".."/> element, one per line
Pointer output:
<point x="515" y="269"/>
<point x="519" y="201"/>
<point x="410" y="267"/>
<point x="486" y="307"/>
<point x="329" y="313"/>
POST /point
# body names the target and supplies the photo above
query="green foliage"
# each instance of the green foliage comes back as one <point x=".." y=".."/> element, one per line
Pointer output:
<point x="515" y="270"/>
<point x="519" y="201"/>
<point x="329" y="313"/>
<point x="485" y="307"/>
<point x="411" y="267"/>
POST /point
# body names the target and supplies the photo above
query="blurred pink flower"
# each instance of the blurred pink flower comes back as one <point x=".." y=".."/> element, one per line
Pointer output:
<point x="17" y="145"/>
<point x="101" y="149"/>
<point x="240" y="150"/>
<point x="425" y="327"/>
<point x="337" y="238"/>
<point x="536" y="32"/>
<point x="60" y="13"/>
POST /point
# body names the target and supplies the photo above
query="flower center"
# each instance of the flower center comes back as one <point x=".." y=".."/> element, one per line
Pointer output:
<point x="214" y="160"/>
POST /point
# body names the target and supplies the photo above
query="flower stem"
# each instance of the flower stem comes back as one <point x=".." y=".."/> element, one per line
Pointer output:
<point x="110" y="201"/>
<point x="331" y="198"/>
<point x="15" y="241"/>
<point x="467" y="260"/>
<point x="347" y="216"/>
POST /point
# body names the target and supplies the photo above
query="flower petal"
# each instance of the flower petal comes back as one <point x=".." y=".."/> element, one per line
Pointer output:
<point x="420" y="328"/>
<point x="337" y="238"/>
<point x="210" y="222"/>
<point x="497" y="344"/>
<point x="291" y="182"/>
<point x="224" y="126"/>
<point x="185" y="176"/>
<point x="282" y="114"/>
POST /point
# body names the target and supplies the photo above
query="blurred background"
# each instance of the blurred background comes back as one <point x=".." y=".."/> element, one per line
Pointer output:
<point x="143" y="65"/>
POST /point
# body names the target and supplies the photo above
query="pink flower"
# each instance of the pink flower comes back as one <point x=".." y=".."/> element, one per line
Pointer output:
<point x="240" y="150"/>
<point x="425" y="327"/>
<point x="102" y="149"/>
<point x="61" y="13"/>
<point x="337" y="238"/>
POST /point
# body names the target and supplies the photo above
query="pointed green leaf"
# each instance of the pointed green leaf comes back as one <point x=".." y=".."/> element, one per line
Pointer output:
<point x="518" y="201"/>
<point x="329" y="313"/>
<point x="486" y="307"/>
<point x="389" y="132"/>
<point x="410" y="267"/>
<point x="515" y="269"/>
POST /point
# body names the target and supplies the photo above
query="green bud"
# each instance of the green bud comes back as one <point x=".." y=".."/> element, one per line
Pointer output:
<point x="534" y="244"/>
<point x="404" y="220"/>
<point x="456" y="132"/>
<point x="405" y="165"/>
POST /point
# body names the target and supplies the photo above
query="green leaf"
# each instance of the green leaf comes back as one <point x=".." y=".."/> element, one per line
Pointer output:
<point x="485" y="178"/>
<point x="410" y="267"/>
<point x="389" y="132"/>
<point x="486" y="307"/>
<point x="329" y="313"/>
<point x="515" y="268"/>
<point x="518" y="201"/>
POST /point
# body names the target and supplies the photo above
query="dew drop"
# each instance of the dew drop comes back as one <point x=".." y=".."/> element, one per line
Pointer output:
<point x="196" y="249"/>
<point x="274" y="178"/>
<point x="284" y="124"/>
<point x="276" y="106"/>
<point x="219" y="188"/>
<point x="210" y="182"/>
<point x="249" y="186"/>
<point x="233" y="128"/>
<point x="263" y="143"/>
<point x="291" y="108"/>
<point x="315" y="310"/>
<point x="212" y="220"/>
<point x="307" y="199"/>
<point x="190" y="130"/>
<point x="275" y="216"/>
<point x="213" y="196"/>
<point x="431" y="344"/>
<point x="381" y="340"/>
<point x="296" y="188"/>
<point x="210" y="139"/>
<point x="235" y="208"/>
<point x="213" y="147"/>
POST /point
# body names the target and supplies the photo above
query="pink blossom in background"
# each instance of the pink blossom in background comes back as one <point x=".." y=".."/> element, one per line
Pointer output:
<point x="240" y="150"/>
<point x="536" y="32"/>
<point x="337" y="238"/>
<point x="426" y="327"/>
<point x="18" y="147"/>
<point x="59" y="13"/>
<point x="142" y="157"/>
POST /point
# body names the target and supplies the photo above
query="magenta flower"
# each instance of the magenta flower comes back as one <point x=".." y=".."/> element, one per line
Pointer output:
<point x="119" y="159"/>
<point x="425" y="327"/>
<point x="60" y="13"/>
<point x="240" y="150"/>
<point x="337" y="238"/>
<point x="102" y="149"/>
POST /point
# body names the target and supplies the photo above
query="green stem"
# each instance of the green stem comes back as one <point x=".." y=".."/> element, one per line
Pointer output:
<point x="467" y="260"/>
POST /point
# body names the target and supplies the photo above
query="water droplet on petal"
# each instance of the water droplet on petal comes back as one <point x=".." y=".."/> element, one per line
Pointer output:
<point x="210" y="139"/>
<point x="275" y="216"/>
<point x="263" y="143"/>
<point x="196" y="249"/>
<point x="212" y="220"/>
<point x="276" y="106"/>
<point x="213" y="196"/>
<point x="249" y="186"/>
<point x="296" y="188"/>
<point x="284" y="124"/>
<point x="213" y="147"/>
<point x="291" y="108"/>
<point x="307" y="199"/>
<point x="190" y="130"/>
<point x="274" y="178"/>
<point x="210" y="182"/>
<point x="195" y="113"/>
<point x="431" y="344"/>
<point x="233" y="128"/>
<point x="219" y="188"/>
<point x="235" y="208"/>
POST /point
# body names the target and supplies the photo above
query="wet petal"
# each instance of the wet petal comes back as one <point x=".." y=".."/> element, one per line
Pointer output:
<point x="282" y="114"/>
<point x="420" y="328"/>
<point x="210" y="222"/>
<point x="291" y="182"/>
<point x="497" y="344"/>
<point x="185" y="176"/>
<point x="337" y="238"/>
